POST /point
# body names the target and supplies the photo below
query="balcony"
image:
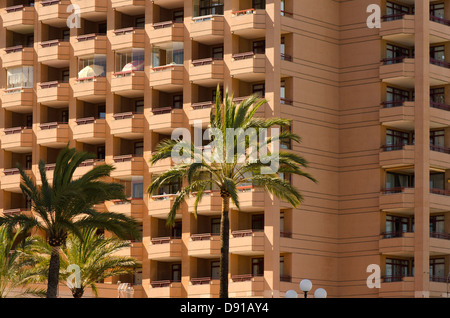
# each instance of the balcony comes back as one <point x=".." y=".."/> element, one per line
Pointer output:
<point x="160" y="205"/>
<point x="201" y="112"/>
<point x="440" y="157"/>
<point x="397" y="200"/>
<point x="53" y="94"/>
<point x="439" y="200"/>
<point x="248" y="66"/>
<point x="164" y="120"/>
<point x="398" y="114"/>
<point x="18" y="99"/>
<point x="439" y="243"/>
<point x="53" y="134"/>
<point x="398" y="71"/>
<point x="87" y="166"/>
<point x="127" y="166"/>
<point x="398" y="29"/>
<point x="17" y="211"/>
<point x="90" y="130"/>
<point x="49" y="172"/>
<point x="246" y="285"/>
<point x="165" y="249"/>
<point x="396" y="156"/>
<point x="161" y="166"/>
<point x="250" y="199"/>
<point x="168" y="78"/>
<point x="17" y="139"/>
<point x="439" y="72"/>
<point x="439" y="30"/>
<point x="90" y="89"/>
<point x="11" y="179"/>
<point x="207" y="72"/>
<point x="128" y="84"/>
<point x="53" y="12"/>
<point x="94" y="10"/>
<point x="89" y="44"/>
<point x="247" y="242"/>
<point x="129" y="7"/>
<point x="207" y="29"/>
<point x="135" y="251"/>
<point x="394" y="287"/>
<point x="18" y="56"/>
<point x="128" y="125"/>
<point x="249" y="24"/>
<point x="55" y="53"/>
<point x="133" y="208"/>
<point x="168" y="31"/>
<point x="204" y="287"/>
<point x="204" y="245"/>
<point x="127" y="38"/>
<point x="211" y="203"/>
<point x="164" y="289"/>
<point x="18" y="18"/>
<point x="398" y="244"/>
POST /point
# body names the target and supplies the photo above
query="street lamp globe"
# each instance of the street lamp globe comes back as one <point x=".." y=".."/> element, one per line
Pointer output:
<point x="305" y="286"/>
<point x="320" y="293"/>
<point x="291" y="294"/>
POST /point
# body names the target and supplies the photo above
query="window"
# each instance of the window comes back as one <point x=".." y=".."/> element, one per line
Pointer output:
<point x="170" y="53"/>
<point x="176" y="273"/>
<point x="259" y="90"/>
<point x="285" y="144"/>
<point x="19" y="77"/>
<point x="258" y="267"/>
<point x="139" y="149"/>
<point x="437" y="269"/>
<point x="396" y="97"/>
<point x="259" y="47"/>
<point x="139" y="22"/>
<point x="65" y="116"/>
<point x="65" y="76"/>
<point x="130" y="61"/>
<point x="101" y="152"/>
<point x="178" y="16"/>
<point x="437" y="95"/>
<point x="258" y="4"/>
<point x="395" y="11"/>
<point x="215" y="226"/>
<point x="437" y="10"/>
<point x="177" y="101"/>
<point x="437" y="138"/>
<point x="211" y="7"/>
<point x="101" y="112"/>
<point x="102" y="28"/>
<point x="399" y="181"/>
<point x="66" y="35"/>
<point x="139" y="106"/>
<point x="282" y="221"/>
<point x="28" y="162"/>
<point x="437" y="181"/>
<point x="395" y="140"/>
<point x="215" y="269"/>
<point x="396" y="269"/>
<point x="93" y="66"/>
<point x="29" y="120"/>
<point x="396" y="54"/>
<point x="170" y="188"/>
<point x="437" y="224"/>
<point x="258" y="222"/>
<point x="30" y="41"/>
<point x="177" y="230"/>
<point x="396" y="225"/>
<point x="437" y="52"/>
<point x="217" y="53"/>
<point x="137" y="189"/>
<point x="214" y="94"/>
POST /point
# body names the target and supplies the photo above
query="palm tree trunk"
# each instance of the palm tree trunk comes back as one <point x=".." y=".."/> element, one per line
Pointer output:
<point x="53" y="273"/>
<point x="224" y="251"/>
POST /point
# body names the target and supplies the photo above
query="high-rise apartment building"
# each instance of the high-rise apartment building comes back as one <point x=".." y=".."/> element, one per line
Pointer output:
<point x="372" y="106"/>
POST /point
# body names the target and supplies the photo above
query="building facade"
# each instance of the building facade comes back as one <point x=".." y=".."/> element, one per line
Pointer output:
<point x="371" y="106"/>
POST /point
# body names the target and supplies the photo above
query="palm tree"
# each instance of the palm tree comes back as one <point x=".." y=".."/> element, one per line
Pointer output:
<point x="228" y="175"/>
<point x="15" y="270"/>
<point x="94" y="254"/>
<point x="68" y="205"/>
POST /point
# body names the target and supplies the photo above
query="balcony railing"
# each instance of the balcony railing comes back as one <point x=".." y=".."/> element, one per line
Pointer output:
<point x="202" y="105"/>
<point x="392" y="17"/>
<point x="440" y="235"/>
<point x="393" y="278"/>
<point x="243" y="12"/>
<point x="440" y="191"/>
<point x="439" y="63"/>
<point x="163" y="25"/>
<point x="439" y="20"/>
<point x="440" y="149"/>
<point x="163" y="240"/>
<point x="286" y="57"/>
<point x="242" y="278"/>
<point x="207" y="61"/>
<point x="394" y="190"/>
<point x="393" y="60"/>
<point x="393" y="147"/>
<point x="163" y="283"/>
<point x="203" y="237"/>
<point x="393" y="103"/>
<point x="243" y="56"/>
<point x="162" y="110"/>
<point x="244" y="233"/>
<point x="439" y="279"/>
<point x="201" y="281"/>
<point x="392" y="234"/>
<point x="440" y="106"/>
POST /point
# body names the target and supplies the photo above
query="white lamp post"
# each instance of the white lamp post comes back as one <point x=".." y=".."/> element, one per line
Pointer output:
<point x="305" y="286"/>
